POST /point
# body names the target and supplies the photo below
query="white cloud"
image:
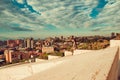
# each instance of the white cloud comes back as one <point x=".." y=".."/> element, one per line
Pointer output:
<point x="108" y="19"/>
<point x="20" y="1"/>
<point x="62" y="14"/>
<point x="58" y="14"/>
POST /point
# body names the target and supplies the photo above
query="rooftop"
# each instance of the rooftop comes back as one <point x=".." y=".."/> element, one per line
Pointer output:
<point x="96" y="65"/>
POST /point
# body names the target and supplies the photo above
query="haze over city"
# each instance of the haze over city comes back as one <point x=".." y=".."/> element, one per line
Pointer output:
<point x="44" y="18"/>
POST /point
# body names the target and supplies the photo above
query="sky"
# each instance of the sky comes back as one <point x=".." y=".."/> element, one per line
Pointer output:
<point x="48" y="18"/>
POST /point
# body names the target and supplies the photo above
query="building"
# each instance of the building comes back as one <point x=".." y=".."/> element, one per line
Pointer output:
<point x="113" y="35"/>
<point x="32" y="43"/>
<point x="38" y="45"/>
<point x="8" y="56"/>
<point x="14" y="43"/>
<point x="47" y="49"/>
<point x="2" y="59"/>
<point x="29" y="43"/>
<point x="12" y="56"/>
<point x="11" y="43"/>
<point x="2" y="55"/>
<point x="25" y="43"/>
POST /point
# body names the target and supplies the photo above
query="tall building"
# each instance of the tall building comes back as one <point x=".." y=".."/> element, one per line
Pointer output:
<point x="18" y="41"/>
<point x="29" y="43"/>
<point x="8" y="55"/>
<point x="13" y="56"/>
<point x="25" y="43"/>
<point x="32" y="43"/>
<point x="112" y="35"/>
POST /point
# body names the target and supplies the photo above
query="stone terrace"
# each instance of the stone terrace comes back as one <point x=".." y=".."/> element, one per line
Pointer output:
<point x="95" y="65"/>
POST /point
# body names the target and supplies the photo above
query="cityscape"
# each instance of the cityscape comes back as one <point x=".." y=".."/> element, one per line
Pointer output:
<point x="59" y="40"/>
<point x="24" y="50"/>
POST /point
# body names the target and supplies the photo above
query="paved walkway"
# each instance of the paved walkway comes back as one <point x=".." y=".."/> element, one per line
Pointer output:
<point x="88" y="66"/>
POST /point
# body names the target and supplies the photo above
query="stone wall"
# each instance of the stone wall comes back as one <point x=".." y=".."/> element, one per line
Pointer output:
<point x="68" y="53"/>
<point x="98" y="65"/>
<point x="47" y="49"/>
<point x="114" y="43"/>
<point x="50" y="57"/>
<point x="113" y="73"/>
<point x="76" y="52"/>
<point x="20" y="72"/>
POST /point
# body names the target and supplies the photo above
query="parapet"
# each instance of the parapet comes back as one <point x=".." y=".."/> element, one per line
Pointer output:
<point x="95" y="65"/>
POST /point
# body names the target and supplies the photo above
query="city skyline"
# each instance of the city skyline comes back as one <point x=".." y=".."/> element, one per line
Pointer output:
<point x="40" y="19"/>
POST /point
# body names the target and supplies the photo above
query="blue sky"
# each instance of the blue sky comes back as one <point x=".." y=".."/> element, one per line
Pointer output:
<point x="47" y="18"/>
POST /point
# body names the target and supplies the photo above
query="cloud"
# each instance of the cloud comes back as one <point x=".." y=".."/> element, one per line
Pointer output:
<point x="20" y="1"/>
<point x="20" y="29"/>
<point x="96" y="29"/>
<point x="24" y="4"/>
<point x="62" y="13"/>
<point x="107" y="28"/>
<point x="109" y="15"/>
<point x="58" y="15"/>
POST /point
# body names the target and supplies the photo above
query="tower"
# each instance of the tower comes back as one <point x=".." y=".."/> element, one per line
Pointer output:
<point x="25" y="43"/>
<point x="29" y="43"/>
